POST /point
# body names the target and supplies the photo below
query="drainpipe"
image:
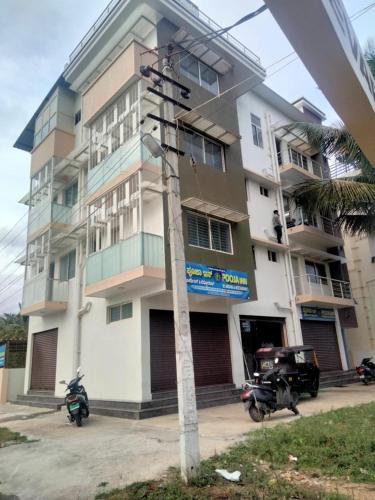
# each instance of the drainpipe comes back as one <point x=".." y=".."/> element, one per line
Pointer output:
<point x="81" y="311"/>
<point x="288" y="269"/>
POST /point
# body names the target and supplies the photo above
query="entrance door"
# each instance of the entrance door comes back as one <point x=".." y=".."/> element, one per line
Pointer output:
<point x="43" y="368"/>
<point x="257" y="332"/>
<point x="322" y="336"/>
<point x="211" y="350"/>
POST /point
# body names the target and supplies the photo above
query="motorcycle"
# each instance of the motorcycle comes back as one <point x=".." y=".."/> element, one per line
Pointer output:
<point x="366" y="370"/>
<point x="271" y="393"/>
<point x="76" y="401"/>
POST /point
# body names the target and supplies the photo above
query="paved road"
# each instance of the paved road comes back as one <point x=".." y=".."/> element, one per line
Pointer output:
<point x="69" y="462"/>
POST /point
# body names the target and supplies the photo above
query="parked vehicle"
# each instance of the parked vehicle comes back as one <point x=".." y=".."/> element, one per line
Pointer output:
<point x="272" y="394"/>
<point x="76" y="401"/>
<point x="366" y="370"/>
<point x="298" y="363"/>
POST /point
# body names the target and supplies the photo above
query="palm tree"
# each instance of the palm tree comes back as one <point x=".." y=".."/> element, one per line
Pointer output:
<point x="351" y="197"/>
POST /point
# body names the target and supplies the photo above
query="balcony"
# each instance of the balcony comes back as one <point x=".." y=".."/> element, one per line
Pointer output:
<point x="46" y="213"/>
<point x="313" y="230"/>
<point x="322" y="291"/>
<point x="296" y="168"/>
<point x="135" y="263"/>
<point x="127" y="158"/>
<point x="43" y="296"/>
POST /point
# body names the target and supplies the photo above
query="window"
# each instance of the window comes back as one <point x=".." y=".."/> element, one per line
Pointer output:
<point x="115" y="126"/>
<point x="212" y="234"/>
<point x="45" y="121"/>
<point x="298" y="158"/>
<point x="256" y="128"/>
<point x="71" y="195"/>
<point x="119" y="311"/>
<point x="198" y="72"/>
<point x="316" y="272"/>
<point x="68" y="266"/>
<point x="77" y="117"/>
<point x="272" y="256"/>
<point x="264" y="191"/>
<point x="203" y="150"/>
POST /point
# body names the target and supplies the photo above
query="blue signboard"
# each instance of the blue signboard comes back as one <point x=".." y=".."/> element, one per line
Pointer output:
<point x="2" y="355"/>
<point x="210" y="280"/>
<point x="317" y="313"/>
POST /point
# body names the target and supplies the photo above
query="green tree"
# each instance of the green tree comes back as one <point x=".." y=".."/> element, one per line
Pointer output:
<point x="13" y="326"/>
<point x="351" y="197"/>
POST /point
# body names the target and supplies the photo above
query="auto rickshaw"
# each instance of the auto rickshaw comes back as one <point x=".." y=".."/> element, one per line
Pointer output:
<point x="298" y="363"/>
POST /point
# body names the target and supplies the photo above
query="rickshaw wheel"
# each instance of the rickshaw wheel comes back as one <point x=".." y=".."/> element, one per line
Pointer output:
<point x="256" y="414"/>
<point x="314" y="392"/>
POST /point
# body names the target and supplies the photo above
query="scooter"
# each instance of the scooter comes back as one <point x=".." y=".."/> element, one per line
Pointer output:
<point x="271" y="394"/>
<point x="366" y="370"/>
<point x="76" y="401"/>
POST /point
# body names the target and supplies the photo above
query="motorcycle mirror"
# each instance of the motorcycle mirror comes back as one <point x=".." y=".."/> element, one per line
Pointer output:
<point x="276" y="361"/>
<point x="79" y="369"/>
<point x="62" y="382"/>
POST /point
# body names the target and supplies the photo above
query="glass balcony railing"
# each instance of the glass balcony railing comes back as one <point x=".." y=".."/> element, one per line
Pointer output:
<point x="142" y="249"/>
<point x="43" y="214"/>
<point x="41" y="289"/>
<point x="119" y="161"/>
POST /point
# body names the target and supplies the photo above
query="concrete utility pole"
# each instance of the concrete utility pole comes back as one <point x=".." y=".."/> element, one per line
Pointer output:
<point x="187" y="408"/>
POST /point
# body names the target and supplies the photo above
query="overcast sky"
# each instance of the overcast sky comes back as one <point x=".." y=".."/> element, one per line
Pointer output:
<point x="36" y="38"/>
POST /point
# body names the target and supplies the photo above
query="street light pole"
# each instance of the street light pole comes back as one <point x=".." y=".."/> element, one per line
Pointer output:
<point x="187" y="409"/>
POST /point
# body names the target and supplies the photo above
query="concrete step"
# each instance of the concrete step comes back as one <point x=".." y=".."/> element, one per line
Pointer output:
<point x="38" y="404"/>
<point x="163" y="403"/>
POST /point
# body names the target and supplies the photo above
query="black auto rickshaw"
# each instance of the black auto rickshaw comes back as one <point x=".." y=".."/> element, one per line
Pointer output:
<point x="298" y="363"/>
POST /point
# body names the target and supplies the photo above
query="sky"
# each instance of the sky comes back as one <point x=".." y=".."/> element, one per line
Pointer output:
<point x="35" y="42"/>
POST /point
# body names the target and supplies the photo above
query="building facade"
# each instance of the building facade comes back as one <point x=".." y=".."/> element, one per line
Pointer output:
<point x="98" y="279"/>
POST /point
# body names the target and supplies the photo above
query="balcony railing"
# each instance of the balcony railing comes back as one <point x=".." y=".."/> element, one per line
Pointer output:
<point x="42" y="289"/>
<point x="119" y="161"/>
<point x="142" y="249"/>
<point x="43" y="214"/>
<point x="298" y="218"/>
<point x="310" y="284"/>
<point x="302" y="161"/>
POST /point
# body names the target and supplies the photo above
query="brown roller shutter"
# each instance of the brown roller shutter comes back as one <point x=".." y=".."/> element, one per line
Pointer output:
<point x="43" y="370"/>
<point x="322" y="336"/>
<point x="211" y="349"/>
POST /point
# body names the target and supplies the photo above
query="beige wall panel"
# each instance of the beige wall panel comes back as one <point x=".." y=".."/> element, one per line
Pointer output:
<point x="110" y="82"/>
<point x="57" y="143"/>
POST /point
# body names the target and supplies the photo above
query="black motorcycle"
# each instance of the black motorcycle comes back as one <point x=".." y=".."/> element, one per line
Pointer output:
<point x="76" y="401"/>
<point x="366" y="370"/>
<point x="271" y="394"/>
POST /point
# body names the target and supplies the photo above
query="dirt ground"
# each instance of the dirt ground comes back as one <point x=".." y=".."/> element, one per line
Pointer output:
<point x="63" y="461"/>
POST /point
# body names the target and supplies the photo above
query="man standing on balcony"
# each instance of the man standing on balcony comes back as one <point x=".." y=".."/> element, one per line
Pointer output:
<point x="276" y="222"/>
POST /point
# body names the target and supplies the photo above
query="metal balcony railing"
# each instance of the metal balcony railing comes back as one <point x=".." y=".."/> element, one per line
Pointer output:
<point x="311" y="284"/>
<point x="298" y="217"/>
<point x="194" y="9"/>
<point x="341" y="170"/>
<point x="103" y="16"/>
<point x="302" y="161"/>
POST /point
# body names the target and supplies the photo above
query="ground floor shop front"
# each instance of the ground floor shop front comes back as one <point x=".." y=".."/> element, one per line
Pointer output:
<point x="132" y="357"/>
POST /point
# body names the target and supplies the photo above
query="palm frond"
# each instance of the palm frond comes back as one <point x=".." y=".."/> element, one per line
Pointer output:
<point x="357" y="224"/>
<point x="336" y="195"/>
<point x="337" y="142"/>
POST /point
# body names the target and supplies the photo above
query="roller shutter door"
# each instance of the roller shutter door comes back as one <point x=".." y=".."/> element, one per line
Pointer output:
<point x="43" y="370"/>
<point x="211" y="350"/>
<point x="322" y="336"/>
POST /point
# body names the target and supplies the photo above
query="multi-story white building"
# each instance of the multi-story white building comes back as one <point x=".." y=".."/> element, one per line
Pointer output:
<point x="98" y="280"/>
